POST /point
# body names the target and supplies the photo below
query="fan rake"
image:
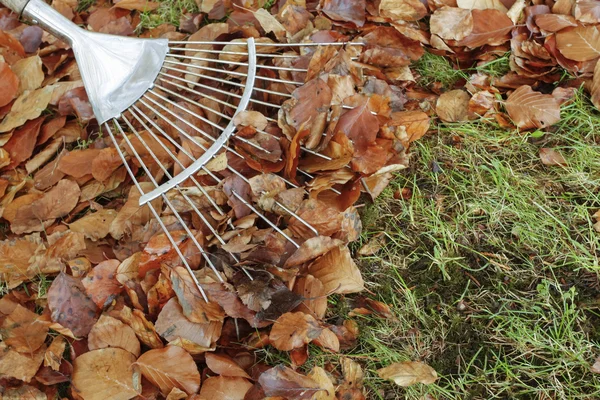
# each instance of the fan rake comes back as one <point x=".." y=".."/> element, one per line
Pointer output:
<point x="173" y="108"/>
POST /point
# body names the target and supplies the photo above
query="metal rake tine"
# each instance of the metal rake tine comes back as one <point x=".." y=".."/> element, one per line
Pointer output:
<point x="233" y="170"/>
<point x="200" y="187"/>
<point x="165" y="198"/>
<point x="230" y="118"/>
<point x="155" y="214"/>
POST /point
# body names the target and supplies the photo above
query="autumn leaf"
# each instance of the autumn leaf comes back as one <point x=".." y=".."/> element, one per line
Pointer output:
<point x="346" y="10"/>
<point x="195" y="308"/>
<point x="490" y="27"/>
<point x="54" y="353"/>
<point x="9" y="84"/>
<point x="170" y="367"/>
<point x="22" y="366"/>
<point x="22" y="330"/>
<point x="408" y="373"/>
<point x="530" y="109"/>
<point x="110" y="332"/>
<point x="225" y="388"/>
<point x="70" y="306"/>
<point x="453" y="106"/>
<point x="138" y="5"/>
<point x="283" y="381"/>
<point x="95" y="225"/>
<point x="294" y="330"/>
<point x="28" y="106"/>
<point x="451" y="23"/>
<point x="101" y="283"/>
<point x="552" y="157"/>
<point x="106" y="374"/>
<point x="224" y="366"/>
<point x="337" y="271"/>
<point x="581" y="43"/>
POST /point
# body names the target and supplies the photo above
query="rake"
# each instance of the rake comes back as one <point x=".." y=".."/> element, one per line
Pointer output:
<point x="174" y="103"/>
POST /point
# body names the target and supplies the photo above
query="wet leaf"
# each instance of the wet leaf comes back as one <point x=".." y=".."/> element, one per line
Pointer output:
<point x="170" y="367"/>
<point x="106" y="374"/>
<point x="408" y="373"/>
<point x="70" y="306"/>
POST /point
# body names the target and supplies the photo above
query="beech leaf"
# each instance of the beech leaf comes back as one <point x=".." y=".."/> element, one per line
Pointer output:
<point x="170" y="367"/>
<point x="530" y="109"/>
<point x="408" y="373"/>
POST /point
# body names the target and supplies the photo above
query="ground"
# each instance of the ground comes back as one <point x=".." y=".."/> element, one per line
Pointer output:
<point x="490" y="263"/>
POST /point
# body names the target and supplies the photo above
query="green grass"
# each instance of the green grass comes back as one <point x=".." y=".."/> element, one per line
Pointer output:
<point x="169" y="12"/>
<point x="432" y="69"/>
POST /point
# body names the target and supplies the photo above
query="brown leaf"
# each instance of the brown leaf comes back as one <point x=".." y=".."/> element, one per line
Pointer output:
<point x="194" y="307"/>
<point x="581" y="43"/>
<point x="315" y="297"/>
<point x="554" y="22"/>
<point x="482" y="5"/>
<point x="402" y="10"/>
<point x="453" y="106"/>
<point x="54" y="354"/>
<point x="138" y="5"/>
<point x="14" y="258"/>
<point x="170" y="367"/>
<point x="552" y="157"/>
<point x="110" y="332"/>
<point x="106" y="374"/>
<point x="223" y="365"/>
<point x="22" y="330"/>
<point x="529" y="109"/>
<point x="58" y="202"/>
<point x="328" y="340"/>
<point x="326" y="220"/>
<point x="105" y="163"/>
<point x="346" y="10"/>
<point x="22" y="142"/>
<point x="28" y="106"/>
<point x="143" y="328"/>
<point x="294" y="330"/>
<point x="9" y="84"/>
<point x="283" y="381"/>
<point x="176" y="328"/>
<point x="22" y="366"/>
<point x="490" y="27"/>
<point x="451" y="23"/>
<point x="225" y="388"/>
<point x="587" y="12"/>
<point x="24" y="392"/>
<point x="595" y="87"/>
<point x="78" y="163"/>
<point x="337" y="271"/>
<point x="70" y="305"/>
<point x="30" y="74"/>
<point x="96" y="225"/>
<point x="408" y="373"/>
<point x="311" y="249"/>
<point x="321" y="376"/>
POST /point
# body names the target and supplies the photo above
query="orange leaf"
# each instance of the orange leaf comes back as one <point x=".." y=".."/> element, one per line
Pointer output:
<point x="170" y="367"/>
<point x="294" y="330"/>
<point x="110" y="332"/>
<point x="224" y="366"/>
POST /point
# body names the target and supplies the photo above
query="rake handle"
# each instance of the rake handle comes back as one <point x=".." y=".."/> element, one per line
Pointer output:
<point x="16" y="5"/>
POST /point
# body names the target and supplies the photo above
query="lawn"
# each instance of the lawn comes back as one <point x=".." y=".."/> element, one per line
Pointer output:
<point x="490" y="261"/>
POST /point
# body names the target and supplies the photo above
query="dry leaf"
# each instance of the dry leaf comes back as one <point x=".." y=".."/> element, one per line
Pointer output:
<point x="529" y="109"/>
<point x="22" y="366"/>
<point x="28" y="106"/>
<point x="9" y="85"/>
<point x="581" y="43"/>
<point x="408" y="373"/>
<point x="106" y="374"/>
<point x="482" y="5"/>
<point x="346" y="10"/>
<point x="552" y="157"/>
<point x="101" y="283"/>
<point x="283" y="381"/>
<point x="451" y="23"/>
<point x="54" y="353"/>
<point x="294" y="330"/>
<point x="22" y="330"/>
<point x="94" y="226"/>
<point x="170" y="367"/>
<point x="453" y="106"/>
<point x="224" y="366"/>
<point x="195" y="308"/>
<point x="225" y="388"/>
<point x="338" y="272"/>
<point x="110" y="332"/>
<point x="30" y="74"/>
<point x="320" y="376"/>
<point x="138" y="5"/>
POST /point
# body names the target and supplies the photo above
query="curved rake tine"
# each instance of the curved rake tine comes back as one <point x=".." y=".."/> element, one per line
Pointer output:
<point x="156" y="215"/>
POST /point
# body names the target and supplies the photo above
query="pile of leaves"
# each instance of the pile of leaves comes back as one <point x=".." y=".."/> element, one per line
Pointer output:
<point x="122" y="317"/>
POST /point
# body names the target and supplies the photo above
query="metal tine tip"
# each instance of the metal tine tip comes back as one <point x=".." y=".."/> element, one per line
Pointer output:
<point x="233" y="170"/>
<point x="154" y="213"/>
<point x="259" y="44"/>
<point x="188" y="200"/>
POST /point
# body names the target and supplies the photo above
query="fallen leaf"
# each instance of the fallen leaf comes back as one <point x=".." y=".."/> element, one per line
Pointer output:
<point x="225" y="388"/>
<point x="482" y="5"/>
<point x="552" y="157"/>
<point x="54" y="353"/>
<point x="101" y="283"/>
<point x="346" y="10"/>
<point x="451" y="23"/>
<point x="9" y="85"/>
<point x="194" y="307"/>
<point x="283" y="381"/>
<point x="554" y="22"/>
<point x="78" y="163"/>
<point x="170" y="367"/>
<point x="138" y="5"/>
<point x="22" y="142"/>
<point x="314" y="296"/>
<point x="581" y="43"/>
<point x="453" y="106"/>
<point x="57" y="202"/>
<point x="106" y="374"/>
<point x="408" y="373"/>
<point x="337" y="271"/>
<point x="270" y="24"/>
<point x="530" y="109"/>
<point x="320" y="376"/>
<point x="490" y="27"/>
<point x="294" y="330"/>
<point x="24" y="392"/>
<point x="96" y="225"/>
<point x="30" y="74"/>
<point x="22" y="330"/>
<point x="224" y="366"/>
<point x="28" y="106"/>
<point x="110" y="332"/>
<point x="70" y="306"/>
<point x="22" y="366"/>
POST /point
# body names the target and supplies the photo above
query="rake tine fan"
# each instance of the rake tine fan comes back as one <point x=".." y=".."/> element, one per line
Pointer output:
<point x="170" y="110"/>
